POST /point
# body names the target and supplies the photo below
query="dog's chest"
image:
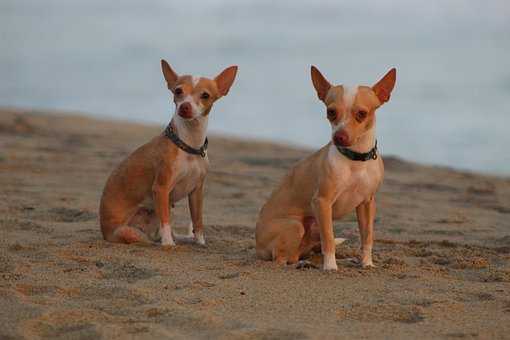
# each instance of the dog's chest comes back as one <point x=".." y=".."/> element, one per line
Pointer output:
<point x="358" y="189"/>
<point x="356" y="185"/>
<point x="191" y="171"/>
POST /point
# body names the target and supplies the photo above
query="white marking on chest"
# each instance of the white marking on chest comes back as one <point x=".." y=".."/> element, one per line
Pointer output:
<point x="190" y="171"/>
<point x="191" y="166"/>
<point x="344" y="168"/>
<point x="192" y="135"/>
<point x="335" y="159"/>
<point x="339" y="168"/>
<point x="333" y="155"/>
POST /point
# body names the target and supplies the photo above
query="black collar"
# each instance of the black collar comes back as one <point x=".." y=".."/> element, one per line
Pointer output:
<point x="358" y="156"/>
<point x="172" y="135"/>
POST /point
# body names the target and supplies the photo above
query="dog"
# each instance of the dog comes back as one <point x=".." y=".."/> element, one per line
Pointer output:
<point x="168" y="168"/>
<point x="342" y="176"/>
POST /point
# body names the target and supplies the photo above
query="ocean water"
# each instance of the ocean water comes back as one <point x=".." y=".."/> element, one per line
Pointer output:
<point x="450" y="106"/>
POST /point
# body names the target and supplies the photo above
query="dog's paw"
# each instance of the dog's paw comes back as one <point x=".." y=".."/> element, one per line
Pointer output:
<point x="200" y="238"/>
<point x="167" y="240"/>
<point x="368" y="265"/>
<point x="329" y="263"/>
<point x="170" y="243"/>
<point x="366" y="259"/>
<point x="330" y="268"/>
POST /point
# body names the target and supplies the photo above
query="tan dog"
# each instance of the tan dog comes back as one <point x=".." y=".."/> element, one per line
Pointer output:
<point x="342" y="176"/>
<point x="165" y="170"/>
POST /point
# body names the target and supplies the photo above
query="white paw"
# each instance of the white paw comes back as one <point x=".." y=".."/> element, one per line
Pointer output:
<point x="167" y="241"/>
<point x="200" y="238"/>
<point x="368" y="264"/>
<point x="366" y="259"/>
<point x="329" y="262"/>
<point x="166" y="236"/>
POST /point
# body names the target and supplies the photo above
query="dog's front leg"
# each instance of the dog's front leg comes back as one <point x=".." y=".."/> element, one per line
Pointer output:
<point x="322" y="209"/>
<point x="366" y="215"/>
<point x="195" y="202"/>
<point x="161" y="189"/>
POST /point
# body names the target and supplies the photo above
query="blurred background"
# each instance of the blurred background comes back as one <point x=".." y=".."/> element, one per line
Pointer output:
<point x="450" y="106"/>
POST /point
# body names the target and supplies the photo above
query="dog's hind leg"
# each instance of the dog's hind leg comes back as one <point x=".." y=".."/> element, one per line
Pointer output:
<point x="286" y="245"/>
<point x="127" y="234"/>
<point x="147" y="221"/>
<point x="311" y="238"/>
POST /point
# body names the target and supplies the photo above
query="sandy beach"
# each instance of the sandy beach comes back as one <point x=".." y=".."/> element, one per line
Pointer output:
<point x="442" y="249"/>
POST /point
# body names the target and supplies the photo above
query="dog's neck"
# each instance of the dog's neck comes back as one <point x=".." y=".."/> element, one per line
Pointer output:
<point x="191" y="131"/>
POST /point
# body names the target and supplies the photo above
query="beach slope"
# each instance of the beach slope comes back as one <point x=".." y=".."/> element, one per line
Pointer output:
<point x="442" y="249"/>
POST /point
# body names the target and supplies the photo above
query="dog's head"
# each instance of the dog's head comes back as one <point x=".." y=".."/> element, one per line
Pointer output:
<point x="195" y="96"/>
<point x="351" y="110"/>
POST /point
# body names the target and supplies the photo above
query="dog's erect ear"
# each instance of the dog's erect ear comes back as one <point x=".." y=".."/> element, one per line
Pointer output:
<point x="169" y="74"/>
<point x="320" y="83"/>
<point x="384" y="86"/>
<point x="225" y="80"/>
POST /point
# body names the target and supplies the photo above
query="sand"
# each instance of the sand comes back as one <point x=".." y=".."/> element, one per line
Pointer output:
<point x="442" y="249"/>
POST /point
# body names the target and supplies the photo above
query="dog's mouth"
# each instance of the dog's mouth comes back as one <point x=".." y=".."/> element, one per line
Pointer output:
<point x="344" y="145"/>
<point x="185" y="114"/>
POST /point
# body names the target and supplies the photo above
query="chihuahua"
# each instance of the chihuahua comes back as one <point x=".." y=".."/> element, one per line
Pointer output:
<point x="342" y="176"/>
<point x="166" y="169"/>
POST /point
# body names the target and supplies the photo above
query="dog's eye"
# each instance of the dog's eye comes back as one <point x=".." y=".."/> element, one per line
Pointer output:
<point x="205" y="95"/>
<point x="331" y="114"/>
<point x="361" y="115"/>
<point x="178" y="91"/>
